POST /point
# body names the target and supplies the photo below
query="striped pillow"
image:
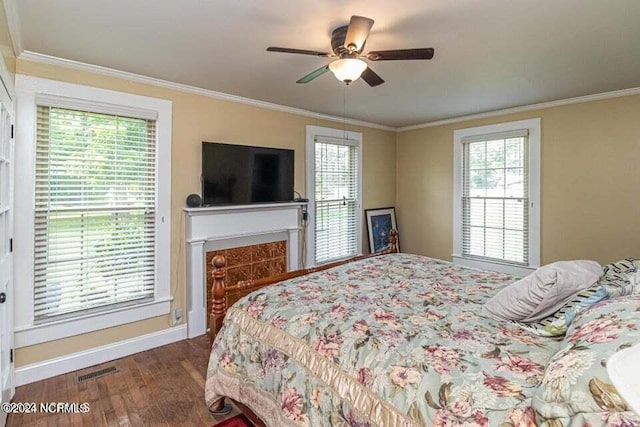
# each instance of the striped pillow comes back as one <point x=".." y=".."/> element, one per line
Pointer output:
<point x="558" y="323"/>
<point x="619" y="277"/>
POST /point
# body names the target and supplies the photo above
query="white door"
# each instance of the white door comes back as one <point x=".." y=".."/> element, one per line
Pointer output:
<point x="6" y="247"/>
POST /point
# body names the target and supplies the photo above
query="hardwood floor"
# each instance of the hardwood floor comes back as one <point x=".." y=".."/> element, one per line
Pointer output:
<point x="159" y="387"/>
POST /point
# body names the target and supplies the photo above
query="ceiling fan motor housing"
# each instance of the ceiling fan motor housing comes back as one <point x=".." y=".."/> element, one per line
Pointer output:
<point x="338" y="37"/>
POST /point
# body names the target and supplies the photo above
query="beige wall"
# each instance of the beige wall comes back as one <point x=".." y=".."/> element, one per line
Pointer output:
<point x="590" y="177"/>
<point x="198" y="118"/>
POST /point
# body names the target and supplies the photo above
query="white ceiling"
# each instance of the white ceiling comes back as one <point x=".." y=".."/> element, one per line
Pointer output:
<point x="490" y="54"/>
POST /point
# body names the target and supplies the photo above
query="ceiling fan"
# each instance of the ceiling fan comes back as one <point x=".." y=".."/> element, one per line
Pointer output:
<point x="347" y="43"/>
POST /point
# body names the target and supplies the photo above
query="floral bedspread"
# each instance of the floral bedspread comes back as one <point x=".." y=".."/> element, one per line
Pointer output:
<point x="395" y="340"/>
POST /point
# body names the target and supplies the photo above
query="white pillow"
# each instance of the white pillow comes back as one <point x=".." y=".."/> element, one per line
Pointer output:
<point x="543" y="292"/>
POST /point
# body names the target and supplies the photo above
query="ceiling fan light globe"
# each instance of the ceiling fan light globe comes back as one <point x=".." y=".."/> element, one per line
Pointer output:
<point x="348" y="69"/>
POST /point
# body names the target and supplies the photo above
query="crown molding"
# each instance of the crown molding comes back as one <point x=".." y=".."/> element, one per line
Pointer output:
<point x="125" y="75"/>
<point x="523" y="108"/>
<point x="13" y="22"/>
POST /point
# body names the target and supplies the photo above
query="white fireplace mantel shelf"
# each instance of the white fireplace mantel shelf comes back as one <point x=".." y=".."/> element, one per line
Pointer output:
<point x="251" y="207"/>
<point x="232" y="226"/>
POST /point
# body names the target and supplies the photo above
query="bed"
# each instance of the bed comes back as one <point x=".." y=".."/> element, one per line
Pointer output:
<point x="392" y="340"/>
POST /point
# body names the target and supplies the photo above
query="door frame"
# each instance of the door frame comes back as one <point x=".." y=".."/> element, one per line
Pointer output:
<point x="7" y="97"/>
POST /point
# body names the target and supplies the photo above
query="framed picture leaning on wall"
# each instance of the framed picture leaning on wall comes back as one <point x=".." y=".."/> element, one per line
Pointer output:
<point x="379" y="224"/>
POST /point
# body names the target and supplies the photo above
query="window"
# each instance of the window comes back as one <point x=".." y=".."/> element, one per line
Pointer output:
<point x="333" y="185"/>
<point x="94" y="237"/>
<point x="496" y="203"/>
<point x="95" y="211"/>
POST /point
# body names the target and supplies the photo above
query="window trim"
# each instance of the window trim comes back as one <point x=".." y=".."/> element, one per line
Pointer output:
<point x="533" y="125"/>
<point x="31" y="91"/>
<point x="311" y="133"/>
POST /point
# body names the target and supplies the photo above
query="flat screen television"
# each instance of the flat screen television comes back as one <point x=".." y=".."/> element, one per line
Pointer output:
<point x="242" y="174"/>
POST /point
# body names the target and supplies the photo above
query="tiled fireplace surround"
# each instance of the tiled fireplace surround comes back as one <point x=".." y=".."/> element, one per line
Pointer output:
<point x="246" y="263"/>
<point x="257" y="241"/>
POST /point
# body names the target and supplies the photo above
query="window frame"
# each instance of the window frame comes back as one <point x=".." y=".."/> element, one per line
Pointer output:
<point x="533" y="126"/>
<point x="311" y="133"/>
<point x="32" y="91"/>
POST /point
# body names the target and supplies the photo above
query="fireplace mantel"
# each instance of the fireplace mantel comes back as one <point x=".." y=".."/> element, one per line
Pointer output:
<point x="221" y="227"/>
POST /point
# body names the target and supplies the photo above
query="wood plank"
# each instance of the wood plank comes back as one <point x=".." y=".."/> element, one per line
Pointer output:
<point x="73" y="394"/>
<point x="116" y="387"/>
<point x="158" y="387"/>
<point x="60" y="395"/>
<point x="176" y="407"/>
<point x="195" y="375"/>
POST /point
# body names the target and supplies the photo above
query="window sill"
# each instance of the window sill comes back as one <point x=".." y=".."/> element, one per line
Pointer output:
<point x="36" y="334"/>
<point x="515" y="270"/>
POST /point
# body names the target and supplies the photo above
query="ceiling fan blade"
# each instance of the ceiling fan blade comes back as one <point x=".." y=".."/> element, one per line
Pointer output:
<point x="357" y="33"/>
<point x="317" y="73"/>
<point x="371" y="77"/>
<point x="401" y="54"/>
<point x="299" y="51"/>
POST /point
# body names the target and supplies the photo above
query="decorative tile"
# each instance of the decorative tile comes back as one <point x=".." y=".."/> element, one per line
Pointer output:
<point x="279" y="266"/>
<point x="279" y="249"/>
<point x="238" y="256"/>
<point x="246" y="263"/>
<point x="236" y="274"/>
<point x="260" y="252"/>
<point x="261" y="269"/>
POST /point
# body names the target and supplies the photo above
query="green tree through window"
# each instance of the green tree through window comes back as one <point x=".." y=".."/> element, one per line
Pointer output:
<point x="95" y="210"/>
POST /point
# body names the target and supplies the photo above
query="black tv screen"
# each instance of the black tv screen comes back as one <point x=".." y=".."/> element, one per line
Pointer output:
<point x="241" y="174"/>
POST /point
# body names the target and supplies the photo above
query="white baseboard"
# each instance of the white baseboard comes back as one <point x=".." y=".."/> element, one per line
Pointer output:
<point x="83" y="359"/>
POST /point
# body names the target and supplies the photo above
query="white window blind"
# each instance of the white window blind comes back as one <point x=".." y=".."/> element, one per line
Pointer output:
<point x="94" y="213"/>
<point x="495" y="197"/>
<point x="336" y="199"/>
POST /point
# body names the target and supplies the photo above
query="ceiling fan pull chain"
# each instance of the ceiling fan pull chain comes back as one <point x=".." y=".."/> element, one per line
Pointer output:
<point x="344" y="111"/>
